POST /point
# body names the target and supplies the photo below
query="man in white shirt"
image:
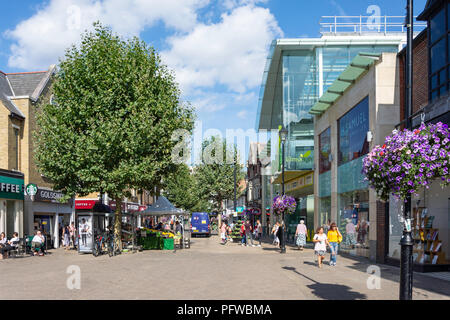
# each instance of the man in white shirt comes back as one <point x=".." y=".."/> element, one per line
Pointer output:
<point x="37" y="243"/>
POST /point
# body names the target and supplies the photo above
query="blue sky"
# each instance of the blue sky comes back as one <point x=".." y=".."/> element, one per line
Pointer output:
<point x="217" y="48"/>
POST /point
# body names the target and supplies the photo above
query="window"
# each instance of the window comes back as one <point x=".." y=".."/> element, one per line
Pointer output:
<point x="325" y="151"/>
<point x="437" y="26"/>
<point x="352" y="133"/>
<point x="16" y="147"/>
<point x="439" y="47"/>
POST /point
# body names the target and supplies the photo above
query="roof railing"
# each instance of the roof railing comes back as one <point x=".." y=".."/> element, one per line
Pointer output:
<point x="366" y="24"/>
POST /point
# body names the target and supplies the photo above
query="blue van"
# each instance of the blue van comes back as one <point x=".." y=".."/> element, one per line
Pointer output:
<point x="200" y="224"/>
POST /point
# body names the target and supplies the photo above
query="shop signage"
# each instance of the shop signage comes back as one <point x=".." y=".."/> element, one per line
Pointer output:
<point x="300" y="182"/>
<point x="31" y="189"/>
<point x="131" y="207"/>
<point x="11" y="188"/>
<point x="84" y="204"/>
<point x="48" y="195"/>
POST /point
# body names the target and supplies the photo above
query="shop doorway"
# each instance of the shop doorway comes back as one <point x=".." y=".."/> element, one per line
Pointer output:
<point x="44" y="223"/>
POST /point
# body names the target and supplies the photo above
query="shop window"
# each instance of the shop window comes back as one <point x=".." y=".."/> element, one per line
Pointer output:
<point x="352" y="133"/>
<point x="353" y="222"/>
<point x="16" y="148"/>
<point x="325" y="151"/>
<point x="324" y="210"/>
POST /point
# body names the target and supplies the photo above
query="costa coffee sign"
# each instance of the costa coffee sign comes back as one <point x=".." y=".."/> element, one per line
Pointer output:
<point x="84" y="204"/>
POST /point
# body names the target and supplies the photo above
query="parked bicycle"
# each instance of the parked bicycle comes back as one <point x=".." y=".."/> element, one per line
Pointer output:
<point x="101" y="242"/>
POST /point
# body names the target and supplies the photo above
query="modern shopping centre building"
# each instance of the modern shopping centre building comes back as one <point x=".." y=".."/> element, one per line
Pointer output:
<point x="297" y="73"/>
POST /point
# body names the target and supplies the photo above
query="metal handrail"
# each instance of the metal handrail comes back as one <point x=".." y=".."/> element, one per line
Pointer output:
<point x="385" y="24"/>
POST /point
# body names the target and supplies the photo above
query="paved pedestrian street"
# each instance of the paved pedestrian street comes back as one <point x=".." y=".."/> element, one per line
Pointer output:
<point x="207" y="270"/>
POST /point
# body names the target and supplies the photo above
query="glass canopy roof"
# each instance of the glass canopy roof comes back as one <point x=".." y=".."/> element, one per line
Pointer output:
<point x="359" y="65"/>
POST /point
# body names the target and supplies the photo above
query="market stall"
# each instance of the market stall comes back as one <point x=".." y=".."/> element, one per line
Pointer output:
<point x="156" y="235"/>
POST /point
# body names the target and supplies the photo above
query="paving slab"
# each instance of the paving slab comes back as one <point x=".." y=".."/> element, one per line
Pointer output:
<point x="208" y="270"/>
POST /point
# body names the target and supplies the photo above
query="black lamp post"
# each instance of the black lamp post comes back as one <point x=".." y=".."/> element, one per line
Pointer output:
<point x="407" y="242"/>
<point x="283" y="136"/>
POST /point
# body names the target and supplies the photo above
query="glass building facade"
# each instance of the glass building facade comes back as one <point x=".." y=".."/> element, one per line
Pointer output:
<point x="306" y="74"/>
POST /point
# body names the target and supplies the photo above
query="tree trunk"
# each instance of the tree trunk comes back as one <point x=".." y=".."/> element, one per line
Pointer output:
<point x="118" y="223"/>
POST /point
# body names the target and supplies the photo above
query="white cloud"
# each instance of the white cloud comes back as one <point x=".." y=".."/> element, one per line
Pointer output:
<point x="230" y="53"/>
<point x="242" y="114"/>
<point x="218" y="65"/>
<point x="231" y="4"/>
<point x="41" y="39"/>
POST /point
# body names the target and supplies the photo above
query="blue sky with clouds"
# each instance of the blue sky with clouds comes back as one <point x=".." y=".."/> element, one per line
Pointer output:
<point x="216" y="47"/>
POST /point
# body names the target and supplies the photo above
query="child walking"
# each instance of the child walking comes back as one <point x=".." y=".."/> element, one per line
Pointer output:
<point x="320" y="247"/>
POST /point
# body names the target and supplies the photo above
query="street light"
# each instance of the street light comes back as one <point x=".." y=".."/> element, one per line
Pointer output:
<point x="407" y="242"/>
<point x="283" y="136"/>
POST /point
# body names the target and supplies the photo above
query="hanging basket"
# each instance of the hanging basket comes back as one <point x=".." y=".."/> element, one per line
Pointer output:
<point x="409" y="160"/>
<point x="284" y="204"/>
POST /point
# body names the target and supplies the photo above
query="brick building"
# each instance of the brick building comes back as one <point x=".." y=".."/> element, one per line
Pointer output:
<point x="430" y="104"/>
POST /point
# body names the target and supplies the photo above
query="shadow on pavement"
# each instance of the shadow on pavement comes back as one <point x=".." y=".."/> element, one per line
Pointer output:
<point x="330" y="291"/>
<point x="392" y="273"/>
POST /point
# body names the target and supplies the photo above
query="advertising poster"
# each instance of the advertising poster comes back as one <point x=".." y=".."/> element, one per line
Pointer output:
<point x="85" y="233"/>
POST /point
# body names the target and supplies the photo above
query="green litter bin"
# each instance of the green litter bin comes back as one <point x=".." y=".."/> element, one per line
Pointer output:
<point x="168" y="244"/>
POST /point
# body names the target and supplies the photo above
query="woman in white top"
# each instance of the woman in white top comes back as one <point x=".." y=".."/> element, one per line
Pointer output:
<point x="276" y="241"/>
<point x="320" y="247"/>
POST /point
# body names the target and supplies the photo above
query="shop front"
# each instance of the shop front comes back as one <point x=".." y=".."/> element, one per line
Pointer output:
<point x="45" y="212"/>
<point x="353" y="218"/>
<point x="11" y="202"/>
<point x="92" y="218"/>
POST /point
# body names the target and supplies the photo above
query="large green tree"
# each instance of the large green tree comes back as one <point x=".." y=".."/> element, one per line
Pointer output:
<point x="109" y="129"/>
<point x="181" y="188"/>
<point x="215" y="174"/>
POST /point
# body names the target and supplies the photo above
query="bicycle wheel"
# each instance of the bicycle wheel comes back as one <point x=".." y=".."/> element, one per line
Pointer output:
<point x="96" y="250"/>
<point x="111" y="248"/>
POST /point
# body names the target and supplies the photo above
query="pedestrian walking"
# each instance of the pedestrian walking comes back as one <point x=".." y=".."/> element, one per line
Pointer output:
<point x="258" y="231"/>
<point x="248" y="233"/>
<point x="66" y="237"/>
<point x="72" y="234"/>
<point x="276" y="241"/>
<point x="280" y="233"/>
<point x="300" y="234"/>
<point x="242" y="232"/>
<point x="320" y="245"/>
<point x="223" y="233"/>
<point x="229" y="231"/>
<point x="334" y="238"/>
<point x="350" y="230"/>
<point x="326" y="227"/>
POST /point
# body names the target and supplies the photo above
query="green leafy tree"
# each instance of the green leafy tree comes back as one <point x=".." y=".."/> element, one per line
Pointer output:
<point x="215" y="176"/>
<point x="181" y="188"/>
<point x="109" y="129"/>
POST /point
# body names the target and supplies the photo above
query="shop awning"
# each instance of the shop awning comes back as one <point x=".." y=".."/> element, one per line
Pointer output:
<point x="161" y="207"/>
<point x="359" y="65"/>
